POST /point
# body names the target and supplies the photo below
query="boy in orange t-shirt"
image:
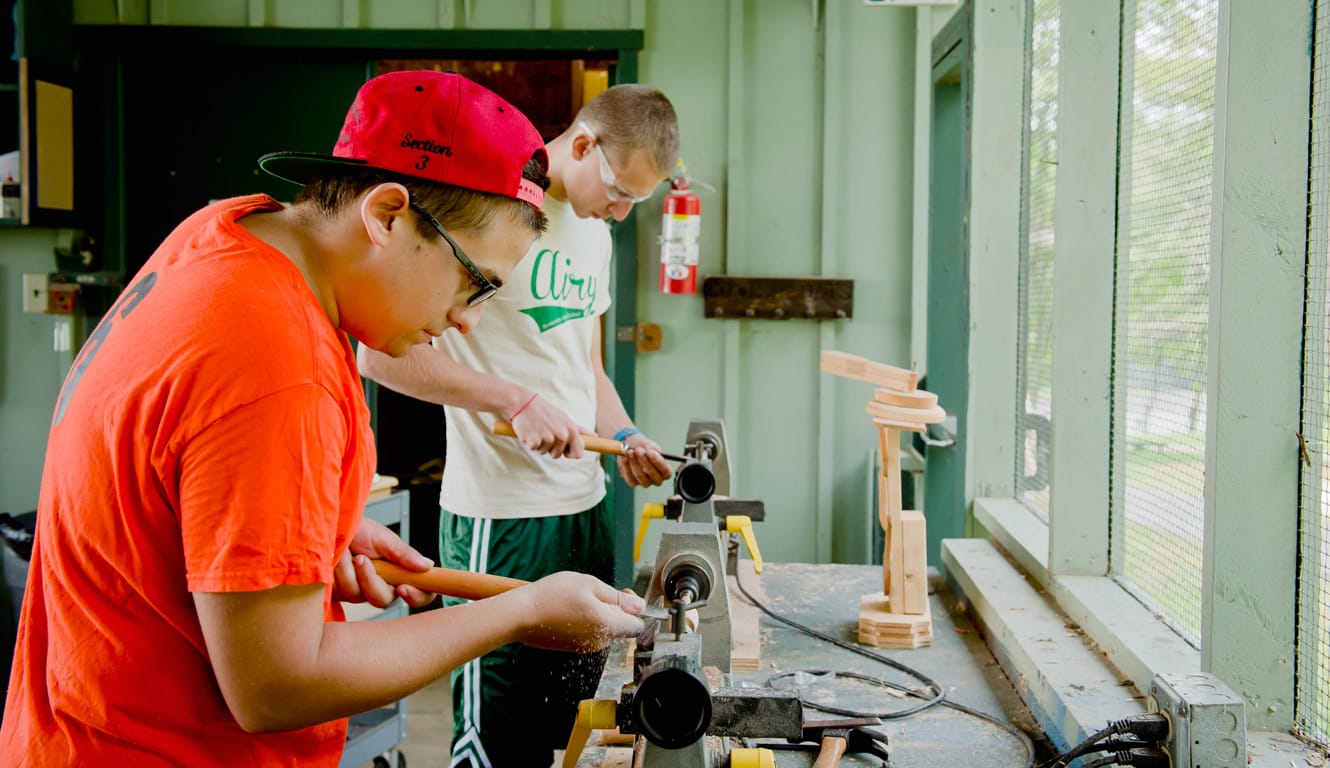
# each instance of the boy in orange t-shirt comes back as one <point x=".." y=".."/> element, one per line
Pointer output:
<point x="210" y="454"/>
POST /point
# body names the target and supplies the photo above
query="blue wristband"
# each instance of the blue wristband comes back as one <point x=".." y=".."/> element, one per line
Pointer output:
<point x="626" y="433"/>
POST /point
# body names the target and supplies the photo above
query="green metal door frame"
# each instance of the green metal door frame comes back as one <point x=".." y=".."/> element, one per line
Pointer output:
<point x="948" y="304"/>
<point x="621" y="354"/>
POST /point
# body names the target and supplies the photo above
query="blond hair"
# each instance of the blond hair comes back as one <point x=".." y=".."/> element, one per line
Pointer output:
<point x="631" y="117"/>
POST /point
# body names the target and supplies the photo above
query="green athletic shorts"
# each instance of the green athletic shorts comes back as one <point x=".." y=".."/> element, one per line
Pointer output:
<point x="513" y="707"/>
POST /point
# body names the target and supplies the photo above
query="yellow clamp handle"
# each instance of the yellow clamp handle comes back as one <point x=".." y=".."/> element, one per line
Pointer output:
<point x="752" y="757"/>
<point x="649" y="511"/>
<point x="592" y="714"/>
<point x="743" y="524"/>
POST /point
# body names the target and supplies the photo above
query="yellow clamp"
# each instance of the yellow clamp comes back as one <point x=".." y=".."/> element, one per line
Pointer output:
<point x="743" y="524"/>
<point x="649" y="511"/>
<point x="752" y="757"/>
<point x="592" y="715"/>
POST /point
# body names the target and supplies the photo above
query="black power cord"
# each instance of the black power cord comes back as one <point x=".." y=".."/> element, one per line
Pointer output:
<point x="1122" y="743"/>
<point x="1151" y="727"/>
<point x="895" y="714"/>
<point x="937" y="696"/>
<point x="1143" y="757"/>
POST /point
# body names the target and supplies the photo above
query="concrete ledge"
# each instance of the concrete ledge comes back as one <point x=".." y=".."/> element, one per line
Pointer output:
<point x="1022" y="535"/>
<point x="1070" y="688"/>
<point x="1068" y="683"/>
<point x="1133" y="639"/>
<point x="1130" y="636"/>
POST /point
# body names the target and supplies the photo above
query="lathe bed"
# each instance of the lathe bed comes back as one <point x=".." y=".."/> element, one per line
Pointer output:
<point x="826" y="598"/>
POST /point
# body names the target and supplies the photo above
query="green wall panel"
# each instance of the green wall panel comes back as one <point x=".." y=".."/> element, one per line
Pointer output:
<point x="595" y="14"/>
<point x="190" y="13"/>
<point x="30" y="369"/>
<point x="866" y="234"/>
<point x="777" y="450"/>
<point x="817" y="181"/>
<point x="333" y="14"/>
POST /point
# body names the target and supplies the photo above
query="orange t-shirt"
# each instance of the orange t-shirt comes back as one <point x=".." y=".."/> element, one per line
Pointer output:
<point x="211" y="436"/>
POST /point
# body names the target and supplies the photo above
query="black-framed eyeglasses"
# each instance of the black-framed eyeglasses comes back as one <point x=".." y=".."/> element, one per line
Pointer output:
<point x="487" y="286"/>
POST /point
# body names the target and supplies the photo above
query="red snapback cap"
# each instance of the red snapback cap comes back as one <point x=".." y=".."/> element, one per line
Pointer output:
<point x="437" y="126"/>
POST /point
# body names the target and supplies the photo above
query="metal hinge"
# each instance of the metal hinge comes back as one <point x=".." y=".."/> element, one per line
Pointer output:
<point x="645" y="336"/>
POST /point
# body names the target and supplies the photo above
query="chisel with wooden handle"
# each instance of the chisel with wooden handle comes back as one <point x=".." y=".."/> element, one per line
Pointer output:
<point x="592" y="442"/>
<point x="448" y="581"/>
<point x="465" y="584"/>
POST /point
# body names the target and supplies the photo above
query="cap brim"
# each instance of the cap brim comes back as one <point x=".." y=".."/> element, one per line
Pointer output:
<point x="300" y="167"/>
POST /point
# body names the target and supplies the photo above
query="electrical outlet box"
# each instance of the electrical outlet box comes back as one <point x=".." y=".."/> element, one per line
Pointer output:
<point x="34" y="292"/>
<point x="1207" y="720"/>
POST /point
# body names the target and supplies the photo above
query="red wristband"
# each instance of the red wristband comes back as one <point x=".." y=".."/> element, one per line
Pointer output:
<point x="523" y="408"/>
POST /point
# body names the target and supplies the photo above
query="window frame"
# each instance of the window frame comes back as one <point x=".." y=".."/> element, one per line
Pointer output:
<point x="1259" y="194"/>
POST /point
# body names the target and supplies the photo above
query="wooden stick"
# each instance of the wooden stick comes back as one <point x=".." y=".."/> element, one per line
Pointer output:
<point x="448" y="581"/>
<point x="592" y="442"/>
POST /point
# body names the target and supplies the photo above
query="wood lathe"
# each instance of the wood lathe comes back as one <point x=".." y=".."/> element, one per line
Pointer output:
<point x="680" y="707"/>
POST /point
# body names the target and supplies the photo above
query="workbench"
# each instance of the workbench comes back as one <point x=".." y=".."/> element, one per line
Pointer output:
<point x="826" y="598"/>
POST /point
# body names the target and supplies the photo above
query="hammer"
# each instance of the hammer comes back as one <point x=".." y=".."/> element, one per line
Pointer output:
<point x="465" y="584"/>
<point x="593" y="442"/>
<point x="841" y="736"/>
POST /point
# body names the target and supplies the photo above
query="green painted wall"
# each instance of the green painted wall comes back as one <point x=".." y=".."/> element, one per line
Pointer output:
<point x="806" y="132"/>
<point x="799" y="114"/>
<point x="30" y="369"/>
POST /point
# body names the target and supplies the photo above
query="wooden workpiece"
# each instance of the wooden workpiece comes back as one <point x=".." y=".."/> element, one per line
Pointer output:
<point x="380" y="487"/>
<point x="879" y="627"/>
<point x="898" y="617"/>
<point x="855" y="367"/>
<point x="918" y="398"/>
<point x="745" y="623"/>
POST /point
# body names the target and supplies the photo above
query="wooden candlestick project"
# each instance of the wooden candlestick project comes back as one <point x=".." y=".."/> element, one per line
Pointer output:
<point x="899" y="616"/>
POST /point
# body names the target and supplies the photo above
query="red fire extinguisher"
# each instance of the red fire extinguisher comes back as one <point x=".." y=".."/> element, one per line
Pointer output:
<point x="679" y="231"/>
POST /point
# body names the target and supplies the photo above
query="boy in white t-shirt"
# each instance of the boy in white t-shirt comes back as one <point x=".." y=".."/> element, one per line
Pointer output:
<point x="536" y="505"/>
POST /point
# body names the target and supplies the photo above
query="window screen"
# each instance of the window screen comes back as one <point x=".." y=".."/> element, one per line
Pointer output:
<point x="1313" y="700"/>
<point x="1161" y="319"/>
<point x="1035" y="355"/>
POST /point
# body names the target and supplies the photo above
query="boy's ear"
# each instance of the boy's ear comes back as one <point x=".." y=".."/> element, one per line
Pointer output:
<point x="582" y="145"/>
<point x="382" y="210"/>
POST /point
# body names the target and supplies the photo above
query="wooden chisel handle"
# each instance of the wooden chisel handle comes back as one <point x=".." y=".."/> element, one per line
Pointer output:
<point x="833" y="747"/>
<point x="448" y="581"/>
<point x="592" y="442"/>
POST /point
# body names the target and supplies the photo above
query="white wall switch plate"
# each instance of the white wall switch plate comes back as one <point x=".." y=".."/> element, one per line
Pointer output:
<point x="34" y="292"/>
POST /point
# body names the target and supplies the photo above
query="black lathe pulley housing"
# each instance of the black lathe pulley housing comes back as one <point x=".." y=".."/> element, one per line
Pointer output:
<point x="695" y="482"/>
<point x="672" y="705"/>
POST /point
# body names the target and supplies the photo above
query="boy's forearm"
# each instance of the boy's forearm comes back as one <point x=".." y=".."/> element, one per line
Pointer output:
<point x="363" y="665"/>
<point x="386" y="660"/>
<point x="432" y="375"/>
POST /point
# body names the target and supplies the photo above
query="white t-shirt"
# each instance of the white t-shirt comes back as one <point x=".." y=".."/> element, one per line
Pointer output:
<point x="537" y="332"/>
